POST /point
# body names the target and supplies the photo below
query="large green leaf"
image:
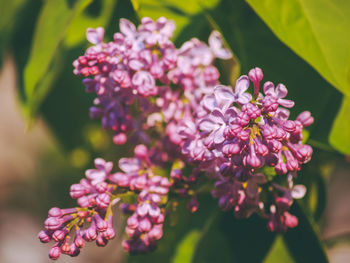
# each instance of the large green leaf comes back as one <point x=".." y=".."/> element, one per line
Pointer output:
<point x="53" y="22"/>
<point x="279" y="251"/>
<point x="340" y="134"/>
<point x="317" y="30"/>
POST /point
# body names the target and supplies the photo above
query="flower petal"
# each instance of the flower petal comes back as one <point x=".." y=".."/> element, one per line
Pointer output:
<point x="95" y="36"/>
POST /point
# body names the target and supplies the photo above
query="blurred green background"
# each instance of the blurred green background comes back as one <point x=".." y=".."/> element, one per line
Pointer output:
<point x="47" y="139"/>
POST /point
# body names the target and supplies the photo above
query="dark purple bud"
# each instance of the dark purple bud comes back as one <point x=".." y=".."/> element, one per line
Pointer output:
<point x="292" y="165"/>
<point x="96" y="112"/>
<point x="103" y="200"/>
<point x="274" y="146"/>
<point x="74" y="250"/>
<point x="281" y="168"/>
<point x="304" y="153"/>
<point x="176" y="174"/>
<point x="283" y="203"/>
<point x="44" y="236"/>
<point x="55" y="253"/>
<point x="271" y="159"/>
<point x="193" y="204"/>
<point x="101" y="241"/>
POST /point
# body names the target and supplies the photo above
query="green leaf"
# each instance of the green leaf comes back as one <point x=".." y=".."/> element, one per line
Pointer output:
<point x="340" y="133"/>
<point x="279" y="251"/>
<point x="97" y="14"/>
<point x="172" y="9"/>
<point x="185" y="249"/>
<point x="8" y="12"/>
<point x="53" y="22"/>
<point x="233" y="240"/>
<point x="303" y="241"/>
<point x="317" y="30"/>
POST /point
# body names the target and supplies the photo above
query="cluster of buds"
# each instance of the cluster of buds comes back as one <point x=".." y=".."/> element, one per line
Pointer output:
<point x="236" y="136"/>
<point x="242" y="141"/>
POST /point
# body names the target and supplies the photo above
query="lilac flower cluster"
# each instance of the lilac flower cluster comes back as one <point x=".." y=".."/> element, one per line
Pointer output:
<point x="172" y="101"/>
<point x="236" y="136"/>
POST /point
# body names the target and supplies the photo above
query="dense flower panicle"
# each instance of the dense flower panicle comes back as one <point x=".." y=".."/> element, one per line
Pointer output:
<point x="241" y="138"/>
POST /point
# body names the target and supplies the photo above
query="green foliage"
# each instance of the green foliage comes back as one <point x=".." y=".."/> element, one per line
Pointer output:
<point x="340" y="134"/>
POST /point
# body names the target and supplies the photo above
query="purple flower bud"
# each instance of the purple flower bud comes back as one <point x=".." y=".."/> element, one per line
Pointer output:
<point x="156" y="232"/>
<point x="305" y="118"/>
<point x="256" y="75"/>
<point x="133" y="222"/>
<point x="120" y="138"/>
<point x="281" y="168"/>
<point x="101" y="224"/>
<point x="55" y="212"/>
<point x="141" y="151"/>
<point x="290" y="220"/>
<point x="101" y="241"/>
<point x="53" y="223"/>
<point x="54" y="252"/>
<point x="101" y="187"/>
<point x="77" y="190"/>
<point x="231" y="149"/>
<point x="44" y="236"/>
<point x="193" y="204"/>
<point x="103" y="200"/>
<point x="289" y="126"/>
<point x="74" y="250"/>
<point x="176" y="174"/>
<point x="59" y="235"/>
<point x="90" y="233"/>
<point x="83" y="201"/>
<point x="78" y="240"/>
<point x="145" y="225"/>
